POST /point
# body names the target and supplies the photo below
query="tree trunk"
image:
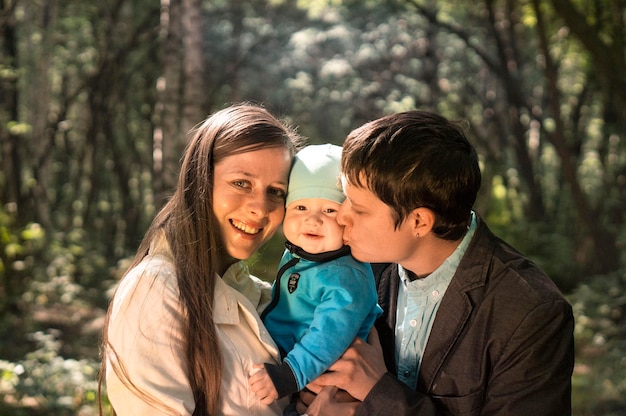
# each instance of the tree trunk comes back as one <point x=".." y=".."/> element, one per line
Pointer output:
<point x="167" y="149"/>
<point x="602" y="255"/>
<point x="42" y="138"/>
<point x="9" y="141"/>
<point x="194" y="96"/>
<point x="608" y="56"/>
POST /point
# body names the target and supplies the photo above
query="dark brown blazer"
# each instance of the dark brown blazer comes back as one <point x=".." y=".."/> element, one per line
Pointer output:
<point x="501" y="344"/>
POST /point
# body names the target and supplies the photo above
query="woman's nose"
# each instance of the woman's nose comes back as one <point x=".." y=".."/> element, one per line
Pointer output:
<point x="259" y="204"/>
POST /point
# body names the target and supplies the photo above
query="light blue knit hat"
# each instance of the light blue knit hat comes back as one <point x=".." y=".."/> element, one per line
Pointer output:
<point x="315" y="174"/>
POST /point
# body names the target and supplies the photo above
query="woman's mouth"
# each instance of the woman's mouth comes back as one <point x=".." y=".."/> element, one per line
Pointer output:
<point x="241" y="226"/>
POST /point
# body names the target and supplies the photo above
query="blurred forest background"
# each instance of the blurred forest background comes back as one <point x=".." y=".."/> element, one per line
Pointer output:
<point x="96" y="99"/>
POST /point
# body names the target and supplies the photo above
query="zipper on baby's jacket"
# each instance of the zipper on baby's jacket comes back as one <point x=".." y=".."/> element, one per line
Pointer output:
<point x="276" y="289"/>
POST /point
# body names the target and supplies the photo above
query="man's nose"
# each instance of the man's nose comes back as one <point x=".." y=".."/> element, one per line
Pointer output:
<point x="341" y="214"/>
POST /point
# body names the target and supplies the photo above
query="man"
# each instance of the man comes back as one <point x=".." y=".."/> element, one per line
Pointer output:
<point x="470" y="326"/>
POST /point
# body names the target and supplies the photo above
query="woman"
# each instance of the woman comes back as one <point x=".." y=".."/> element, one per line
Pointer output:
<point x="182" y="331"/>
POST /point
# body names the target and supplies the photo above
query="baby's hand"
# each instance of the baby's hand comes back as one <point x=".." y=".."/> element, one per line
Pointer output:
<point x="261" y="384"/>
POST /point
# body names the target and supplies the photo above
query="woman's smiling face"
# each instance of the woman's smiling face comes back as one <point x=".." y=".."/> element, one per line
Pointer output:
<point x="249" y="198"/>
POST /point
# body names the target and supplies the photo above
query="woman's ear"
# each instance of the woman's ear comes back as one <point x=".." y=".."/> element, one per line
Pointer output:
<point x="423" y="220"/>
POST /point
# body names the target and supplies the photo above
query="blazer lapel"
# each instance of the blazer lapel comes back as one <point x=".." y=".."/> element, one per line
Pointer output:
<point x="387" y="284"/>
<point x="456" y="308"/>
<point x="451" y="318"/>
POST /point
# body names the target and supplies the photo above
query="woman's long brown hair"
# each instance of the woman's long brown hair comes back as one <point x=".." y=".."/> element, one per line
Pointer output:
<point x="193" y="235"/>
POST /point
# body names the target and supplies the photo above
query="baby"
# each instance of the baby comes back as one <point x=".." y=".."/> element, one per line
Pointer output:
<point x="322" y="297"/>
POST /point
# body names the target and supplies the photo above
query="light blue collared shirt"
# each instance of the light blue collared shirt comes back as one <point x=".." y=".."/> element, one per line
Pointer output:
<point x="418" y="302"/>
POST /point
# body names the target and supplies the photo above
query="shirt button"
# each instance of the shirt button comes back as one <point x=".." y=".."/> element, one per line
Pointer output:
<point x="407" y="373"/>
<point x="413" y="322"/>
<point x="436" y="293"/>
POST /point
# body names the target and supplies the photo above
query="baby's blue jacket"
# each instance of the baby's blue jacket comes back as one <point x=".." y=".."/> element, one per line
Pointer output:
<point x="320" y="303"/>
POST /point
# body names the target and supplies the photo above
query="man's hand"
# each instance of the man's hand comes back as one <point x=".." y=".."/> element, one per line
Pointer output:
<point x="358" y="369"/>
<point x="328" y="402"/>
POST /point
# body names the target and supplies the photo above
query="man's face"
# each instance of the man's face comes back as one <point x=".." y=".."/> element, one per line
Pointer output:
<point x="369" y="228"/>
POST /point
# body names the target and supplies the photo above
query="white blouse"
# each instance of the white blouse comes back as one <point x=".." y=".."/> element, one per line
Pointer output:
<point x="145" y="330"/>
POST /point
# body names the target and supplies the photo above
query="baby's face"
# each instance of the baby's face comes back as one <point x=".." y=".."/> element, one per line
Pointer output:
<point x="311" y="224"/>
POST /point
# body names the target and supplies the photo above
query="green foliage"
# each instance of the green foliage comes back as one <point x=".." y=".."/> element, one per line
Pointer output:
<point x="48" y="382"/>
<point x="19" y="249"/>
<point x="49" y="360"/>
<point x="88" y="108"/>
<point x="599" y="380"/>
<point x="548" y="244"/>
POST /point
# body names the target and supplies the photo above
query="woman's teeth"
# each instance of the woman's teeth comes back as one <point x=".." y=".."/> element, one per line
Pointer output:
<point x="244" y="227"/>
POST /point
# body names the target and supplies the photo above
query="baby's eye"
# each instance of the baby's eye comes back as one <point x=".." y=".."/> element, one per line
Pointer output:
<point x="300" y="208"/>
<point x="330" y="210"/>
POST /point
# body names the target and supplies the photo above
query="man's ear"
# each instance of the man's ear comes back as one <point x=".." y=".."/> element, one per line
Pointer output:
<point x="422" y="220"/>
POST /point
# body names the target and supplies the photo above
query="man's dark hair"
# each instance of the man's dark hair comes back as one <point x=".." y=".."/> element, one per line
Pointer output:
<point x="416" y="159"/>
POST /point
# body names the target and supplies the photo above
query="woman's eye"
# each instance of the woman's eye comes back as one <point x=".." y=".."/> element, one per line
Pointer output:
<point x="277" y="193"/>
<point x="241" y="184"/>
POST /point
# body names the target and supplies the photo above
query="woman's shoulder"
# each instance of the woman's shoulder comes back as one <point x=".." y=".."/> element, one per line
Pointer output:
<point x="155" y="274"/>
<point x="156" y="269"/>
<point x="147" y="298"/>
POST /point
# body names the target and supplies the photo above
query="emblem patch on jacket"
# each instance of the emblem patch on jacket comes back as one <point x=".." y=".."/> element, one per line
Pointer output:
<point x="292" y="283"/>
